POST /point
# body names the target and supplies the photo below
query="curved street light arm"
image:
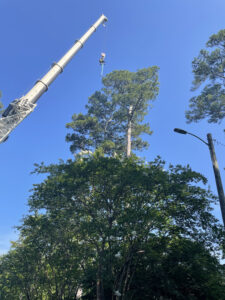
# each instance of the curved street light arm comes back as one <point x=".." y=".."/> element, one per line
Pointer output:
<point x="198" y="138"/>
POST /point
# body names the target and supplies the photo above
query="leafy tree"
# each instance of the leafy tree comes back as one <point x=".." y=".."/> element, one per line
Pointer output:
<point x="19" y="271"/>
<point x="107" y="224"/>
<point x="44" y="263"/>
<point x="177" y="269"/>
<point x="209" y="68"/>
<point x="100" y="219"/>
<point x="115" y="114"/>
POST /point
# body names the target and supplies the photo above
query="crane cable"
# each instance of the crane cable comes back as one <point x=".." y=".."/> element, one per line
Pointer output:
<point x="102" y="58"/>
<point x="102" y="69"/>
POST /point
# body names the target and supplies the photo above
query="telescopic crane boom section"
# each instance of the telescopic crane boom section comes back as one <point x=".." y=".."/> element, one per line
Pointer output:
<point x="19" y="109"/>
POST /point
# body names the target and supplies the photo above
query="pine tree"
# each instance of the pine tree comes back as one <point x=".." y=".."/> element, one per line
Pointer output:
<point x="209" y="68"/>
<point x="114" y="118"/>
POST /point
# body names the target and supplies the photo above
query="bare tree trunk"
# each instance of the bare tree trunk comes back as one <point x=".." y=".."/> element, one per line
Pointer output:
<point x="100" y="289"/>
<point x="126" y="280"/>
<point x="129" y="130"/>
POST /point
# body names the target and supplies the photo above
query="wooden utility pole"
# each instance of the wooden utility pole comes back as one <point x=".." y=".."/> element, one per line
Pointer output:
<point x="216" y="169"/>
<point x="217" y="176"/>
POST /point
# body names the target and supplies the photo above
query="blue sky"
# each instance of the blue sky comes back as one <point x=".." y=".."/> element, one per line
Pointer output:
<point x="139" y="33"/>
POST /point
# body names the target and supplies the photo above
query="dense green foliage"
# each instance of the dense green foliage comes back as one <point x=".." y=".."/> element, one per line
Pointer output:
<point x="116" y="229"/>
<point x="209" y="68"/>
<point x="105" y="124"/>
<point x="106" y="226"/>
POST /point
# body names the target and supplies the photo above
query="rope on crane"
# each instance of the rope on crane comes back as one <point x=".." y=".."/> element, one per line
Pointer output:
<point x="102" y="70"/>
<point x="103" y="55"/>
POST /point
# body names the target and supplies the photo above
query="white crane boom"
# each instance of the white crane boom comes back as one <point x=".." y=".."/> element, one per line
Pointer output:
<point x="20" y="108"/>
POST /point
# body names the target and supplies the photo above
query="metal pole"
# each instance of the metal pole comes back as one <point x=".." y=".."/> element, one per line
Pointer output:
<point x="217" y="176"/>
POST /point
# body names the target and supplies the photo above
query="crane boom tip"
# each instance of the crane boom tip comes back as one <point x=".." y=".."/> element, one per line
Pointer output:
<point x="105" y="18"/>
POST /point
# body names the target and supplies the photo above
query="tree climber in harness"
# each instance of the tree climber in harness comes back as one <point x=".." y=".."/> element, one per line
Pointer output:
<point x="102" y="61"/>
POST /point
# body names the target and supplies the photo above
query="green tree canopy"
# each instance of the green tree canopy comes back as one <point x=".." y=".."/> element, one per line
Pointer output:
<point x="115" y="114"/>
<point x="177" y="269"/>
<point x="209" y="68"/>
<point x="114" y="227"/>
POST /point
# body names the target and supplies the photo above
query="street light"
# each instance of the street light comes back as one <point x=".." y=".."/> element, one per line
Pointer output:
<point x="216" y="170"/>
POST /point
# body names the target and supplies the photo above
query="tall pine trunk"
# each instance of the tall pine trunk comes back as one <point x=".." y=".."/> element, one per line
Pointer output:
<point x="129" y="130"/>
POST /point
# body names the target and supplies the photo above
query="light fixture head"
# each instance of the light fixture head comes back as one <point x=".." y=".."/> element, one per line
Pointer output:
<point x="181" y="131"/>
